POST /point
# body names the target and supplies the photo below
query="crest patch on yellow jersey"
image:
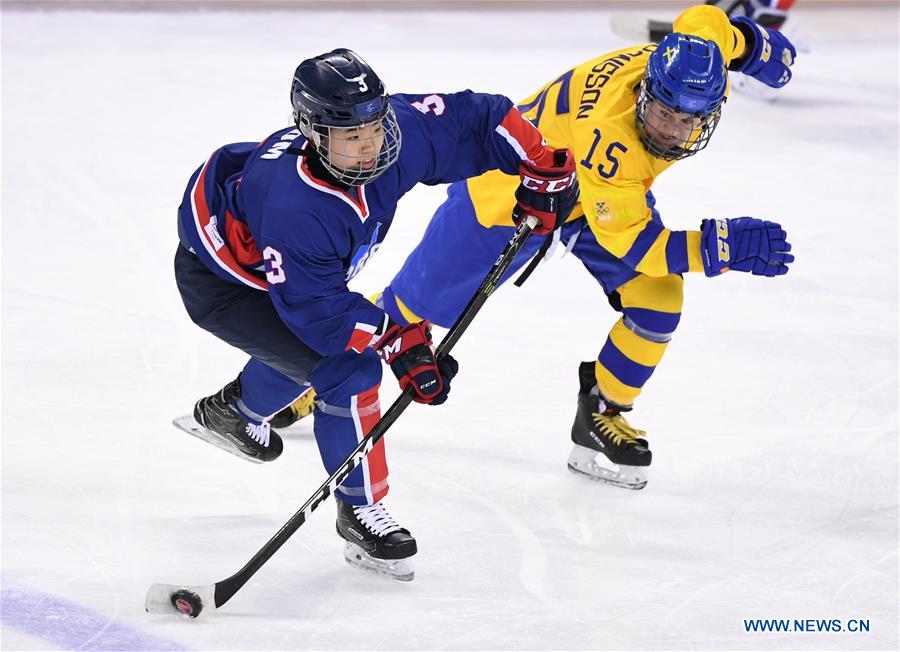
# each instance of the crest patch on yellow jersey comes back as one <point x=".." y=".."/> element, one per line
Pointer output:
<point x="604" y="214"/>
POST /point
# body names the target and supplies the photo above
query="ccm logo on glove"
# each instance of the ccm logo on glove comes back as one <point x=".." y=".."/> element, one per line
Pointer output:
<point x="744" y="244"/>
<point x="544" y="185"/>
<point x="548" y="193"/>
<point x="722" y="233"/>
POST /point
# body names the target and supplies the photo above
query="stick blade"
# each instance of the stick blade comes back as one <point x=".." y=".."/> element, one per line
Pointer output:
<point x="188" y="601"/>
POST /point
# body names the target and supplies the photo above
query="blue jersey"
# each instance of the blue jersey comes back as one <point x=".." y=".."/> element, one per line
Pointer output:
<point x="255" y="215"/>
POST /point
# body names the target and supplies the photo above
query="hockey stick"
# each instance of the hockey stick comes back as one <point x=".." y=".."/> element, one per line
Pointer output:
<point x="193" y="600"/>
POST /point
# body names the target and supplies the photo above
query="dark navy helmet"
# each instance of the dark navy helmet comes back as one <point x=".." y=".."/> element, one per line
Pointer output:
<point x="681" y="96"/>
<point x="341" y="106"/>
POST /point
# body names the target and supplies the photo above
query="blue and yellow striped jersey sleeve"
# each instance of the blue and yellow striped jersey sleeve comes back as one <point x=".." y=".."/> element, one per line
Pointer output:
<point x="622" y="223"/>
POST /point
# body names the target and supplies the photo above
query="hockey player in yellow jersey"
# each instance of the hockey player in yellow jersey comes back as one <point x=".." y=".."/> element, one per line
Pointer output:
<point x="627" y="116"/>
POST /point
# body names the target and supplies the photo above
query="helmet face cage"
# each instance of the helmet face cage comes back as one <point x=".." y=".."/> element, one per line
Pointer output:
<point x="687" y="78"/>
<point x="665" y="144"/>
<point x="343" y="149"/>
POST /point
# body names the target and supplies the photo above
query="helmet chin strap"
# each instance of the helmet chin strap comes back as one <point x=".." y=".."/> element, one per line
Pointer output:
<point x="318" y="157"/>
<point x="322" y="171"/>
<point x="324" y="168"/>
<point x="318" y="143"/>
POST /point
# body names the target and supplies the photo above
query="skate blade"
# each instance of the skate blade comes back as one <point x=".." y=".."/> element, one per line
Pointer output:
<point x="189" y="424"/>
<point x="397" y="569"/>
<point x="595" y="466"/>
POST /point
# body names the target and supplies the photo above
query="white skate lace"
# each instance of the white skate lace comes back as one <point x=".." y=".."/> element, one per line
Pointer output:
<point x="376" y="519"/>
<point x="259" y="433"/>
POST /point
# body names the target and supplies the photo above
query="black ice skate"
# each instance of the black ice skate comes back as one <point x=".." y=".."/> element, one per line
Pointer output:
<point x="216" y="421"/>
<point x="374" y="541"/>
<point x="607" y="448"/>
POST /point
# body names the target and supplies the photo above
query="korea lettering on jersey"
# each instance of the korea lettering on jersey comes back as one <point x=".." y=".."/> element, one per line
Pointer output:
<point x="302" y="239"/>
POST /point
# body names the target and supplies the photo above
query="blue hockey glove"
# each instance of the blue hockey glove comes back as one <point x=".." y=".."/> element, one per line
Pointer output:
<point x="744" y="244"/>
<point x="770" y="56"/>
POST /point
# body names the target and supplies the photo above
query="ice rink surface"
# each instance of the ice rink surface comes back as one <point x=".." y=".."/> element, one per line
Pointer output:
<point x="773" y="418"/>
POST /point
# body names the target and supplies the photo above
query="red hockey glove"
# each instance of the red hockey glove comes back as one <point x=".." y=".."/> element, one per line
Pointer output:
<point x="407" y="349"/>
<point x="547" y="193"/>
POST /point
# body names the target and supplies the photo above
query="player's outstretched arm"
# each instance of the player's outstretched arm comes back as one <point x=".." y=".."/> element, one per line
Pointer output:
<point x="744" y="244"/>
<point x="768" y="54"/>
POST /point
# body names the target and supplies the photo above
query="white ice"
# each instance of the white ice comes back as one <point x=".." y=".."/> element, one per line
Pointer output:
<point x="773" y="418"/>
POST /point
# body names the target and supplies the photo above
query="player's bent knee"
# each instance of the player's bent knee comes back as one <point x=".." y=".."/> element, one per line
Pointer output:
<point x="661" y="293"/>
<point x="652" y="306"/>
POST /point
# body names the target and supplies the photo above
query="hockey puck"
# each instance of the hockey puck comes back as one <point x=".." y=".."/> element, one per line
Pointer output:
<point x="187" y="602"/>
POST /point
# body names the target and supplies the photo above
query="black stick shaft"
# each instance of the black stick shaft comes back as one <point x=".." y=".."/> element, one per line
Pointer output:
<point x="231" y="585"/>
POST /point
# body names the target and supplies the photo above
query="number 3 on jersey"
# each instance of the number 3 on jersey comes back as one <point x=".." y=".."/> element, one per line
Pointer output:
<point x="431" y="104"/>
<point x="274" y="272"/>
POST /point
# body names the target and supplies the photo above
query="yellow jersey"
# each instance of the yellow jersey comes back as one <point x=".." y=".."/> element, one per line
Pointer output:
<point x="591" y="110"/>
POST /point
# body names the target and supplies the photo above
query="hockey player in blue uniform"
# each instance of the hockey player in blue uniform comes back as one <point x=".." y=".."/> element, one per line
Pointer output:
<point x="271" y="233"/>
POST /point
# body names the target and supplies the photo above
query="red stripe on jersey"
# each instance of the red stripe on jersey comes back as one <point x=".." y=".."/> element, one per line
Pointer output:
<point x="528" y="137"/>
<point x="354" y="195"/>
<point x="360" y="340"/>
<point x="376" y="459"/>
<point x="217" y="249"/>
<point x="241" y="242"/>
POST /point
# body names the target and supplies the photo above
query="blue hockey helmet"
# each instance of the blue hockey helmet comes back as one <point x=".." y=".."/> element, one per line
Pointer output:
<point x="342" y="107"/>
<point x="681" y="96"/>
